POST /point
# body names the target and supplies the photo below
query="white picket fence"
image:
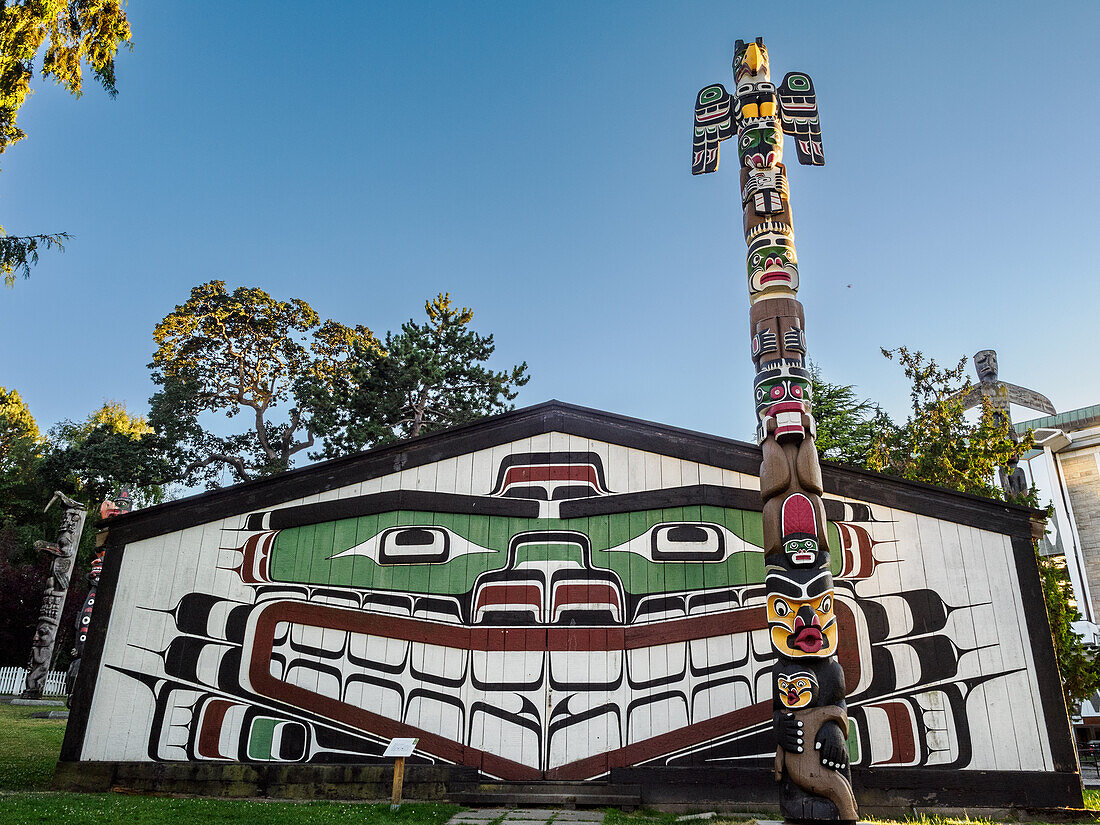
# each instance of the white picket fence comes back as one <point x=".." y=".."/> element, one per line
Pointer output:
<point x="14" y="680"/>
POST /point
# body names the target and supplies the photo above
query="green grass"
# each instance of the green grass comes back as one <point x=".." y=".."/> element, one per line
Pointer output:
<point x="28" y="748"/>
<point x="112" y="809"/>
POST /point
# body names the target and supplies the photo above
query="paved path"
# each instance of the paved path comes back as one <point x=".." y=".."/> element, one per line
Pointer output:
<point x="526" y="816"/>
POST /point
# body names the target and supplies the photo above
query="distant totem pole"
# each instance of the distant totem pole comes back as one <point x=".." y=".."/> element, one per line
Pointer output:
<point x="1000" y="395"/>
<point x="63" y="552"/>
<point x="122" y="503"/>
<point x="810" y="716"/>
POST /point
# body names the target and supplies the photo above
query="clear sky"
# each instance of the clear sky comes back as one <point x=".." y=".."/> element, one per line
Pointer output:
<point x="534" y="160"/>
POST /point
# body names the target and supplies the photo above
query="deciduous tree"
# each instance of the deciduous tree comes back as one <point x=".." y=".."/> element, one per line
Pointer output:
<point x="73" y="34"/>
<point x="244" y="351"/>
<point x="111" y="448"/>
<point x="937" y="444"/>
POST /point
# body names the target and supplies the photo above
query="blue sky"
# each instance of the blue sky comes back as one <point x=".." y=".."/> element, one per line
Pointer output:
<point x="534" y="160"/>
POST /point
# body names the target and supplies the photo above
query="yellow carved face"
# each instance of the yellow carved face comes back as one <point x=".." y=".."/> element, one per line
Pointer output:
<point x="801" y="617"/>
<point x="795" y="690"/>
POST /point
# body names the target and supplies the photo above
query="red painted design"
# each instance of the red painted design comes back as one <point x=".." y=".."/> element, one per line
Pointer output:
<point x="903" y="733"/>
<point x="208" y="744"/>
<point x="558" y="472"/>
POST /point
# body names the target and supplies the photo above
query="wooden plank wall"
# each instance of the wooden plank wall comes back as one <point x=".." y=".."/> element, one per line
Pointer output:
<point x="573" y="712"/>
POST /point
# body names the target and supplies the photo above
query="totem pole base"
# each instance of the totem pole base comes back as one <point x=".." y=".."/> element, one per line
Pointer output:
<point x="798" y="806"/>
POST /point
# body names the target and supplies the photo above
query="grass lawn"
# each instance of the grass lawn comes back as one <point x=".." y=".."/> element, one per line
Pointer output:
<point x="112" y="809"/>
<point x="29" y="749"/>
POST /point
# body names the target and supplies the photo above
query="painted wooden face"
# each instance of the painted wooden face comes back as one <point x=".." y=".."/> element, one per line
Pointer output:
<point x="772" y="263"/>
<point x="784" y="393"/>
<point x="799" y="520"/>
<point x="760" y="143"/>
<point x="800" y="616"/>
<point x="797" y="689"/>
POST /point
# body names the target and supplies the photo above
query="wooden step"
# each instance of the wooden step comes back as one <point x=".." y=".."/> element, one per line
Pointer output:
<point x="554" y="794"/>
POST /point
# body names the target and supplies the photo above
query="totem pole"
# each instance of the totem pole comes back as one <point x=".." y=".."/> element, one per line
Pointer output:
<point x="1000" y="395"/>
<point x="810" y="717"/>
<point x="63" y="552"/>
<point x="122" y="503"/>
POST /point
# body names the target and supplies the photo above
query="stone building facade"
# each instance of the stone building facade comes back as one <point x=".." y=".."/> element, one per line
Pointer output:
<point x="1066" y="468"/>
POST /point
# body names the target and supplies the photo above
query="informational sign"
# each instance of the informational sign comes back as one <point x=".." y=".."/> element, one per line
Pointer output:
<point x="401" y="747"/>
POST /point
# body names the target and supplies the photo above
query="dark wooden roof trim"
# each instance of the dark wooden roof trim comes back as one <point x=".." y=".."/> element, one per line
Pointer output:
<point x="554" y="416"/>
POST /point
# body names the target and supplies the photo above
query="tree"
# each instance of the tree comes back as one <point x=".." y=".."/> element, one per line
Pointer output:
<point x="937" y="444"/>
<point x="846" y="427"/>
<point x="21" y="487"/>
<point x="110" y="449"/>
<point x="74" y="33"/>
<point x="18" y="430"/>
<point x="427" y="377"/>
<point x="224" y="352"/>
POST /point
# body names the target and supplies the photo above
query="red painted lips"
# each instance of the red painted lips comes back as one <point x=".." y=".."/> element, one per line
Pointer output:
<point x="806" y="638"/>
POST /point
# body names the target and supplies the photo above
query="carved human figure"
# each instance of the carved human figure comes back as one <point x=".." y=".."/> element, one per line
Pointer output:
<point x="63" y="553"/>
<point x="809" y="707"/>
<point x="985" y="364"/>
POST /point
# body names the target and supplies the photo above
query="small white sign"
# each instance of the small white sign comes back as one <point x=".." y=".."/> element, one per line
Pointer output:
<point x="401" y="747"/>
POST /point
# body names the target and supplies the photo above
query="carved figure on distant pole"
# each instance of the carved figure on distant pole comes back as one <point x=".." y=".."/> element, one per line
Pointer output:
<point x="122" y="503"/>
<point x="1001" y="396"/>
<point x="63" y="552"/>
<point x="810" y="716"/>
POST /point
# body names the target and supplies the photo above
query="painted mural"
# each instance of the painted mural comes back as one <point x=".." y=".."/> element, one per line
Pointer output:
<point x="555" y="608"/>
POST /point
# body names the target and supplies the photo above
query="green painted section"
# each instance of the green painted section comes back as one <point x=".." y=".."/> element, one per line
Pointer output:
<point x="303" y="554"/>
<point x="261" y="737"/>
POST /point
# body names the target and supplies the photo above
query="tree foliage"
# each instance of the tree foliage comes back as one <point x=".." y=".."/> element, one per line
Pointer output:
<point x="19" y="434"/>
<point x="74" y="33"/>
<point x="429" y="376"/>
<point x="222" y="352"/>
<point x="109" y="449"/>
<point x="938" y="444"/>
<point x="70" y="34"/>
<point x="846" y="426"/>
<point x="18" y="253"/>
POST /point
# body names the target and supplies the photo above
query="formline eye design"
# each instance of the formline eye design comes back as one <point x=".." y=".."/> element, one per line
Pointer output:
<point x="781" y="608"/>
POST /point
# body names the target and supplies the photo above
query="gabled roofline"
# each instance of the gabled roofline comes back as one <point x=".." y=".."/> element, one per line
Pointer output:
<point x="550" y="416"/>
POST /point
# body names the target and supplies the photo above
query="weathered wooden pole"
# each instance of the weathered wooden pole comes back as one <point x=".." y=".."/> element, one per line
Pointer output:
<point x="122" y="503"/>
<point x="810" y="717"/>
<point x="63" y="552"/>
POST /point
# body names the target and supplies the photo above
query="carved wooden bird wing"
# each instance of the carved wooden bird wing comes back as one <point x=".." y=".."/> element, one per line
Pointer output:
<point x="1030" y="399"/>
<point x="713" y="124"/>
<point x="798" y="114"/>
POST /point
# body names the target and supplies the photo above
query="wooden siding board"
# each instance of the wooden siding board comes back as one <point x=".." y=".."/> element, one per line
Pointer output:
<point x="1047" y="701"/>
<point x="652" y="471"/>
<point x="81" y="701"/>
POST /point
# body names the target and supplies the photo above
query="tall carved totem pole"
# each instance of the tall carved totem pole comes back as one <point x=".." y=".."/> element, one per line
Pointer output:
<point x="810" y="717"/>
<point x="63" y="555"/>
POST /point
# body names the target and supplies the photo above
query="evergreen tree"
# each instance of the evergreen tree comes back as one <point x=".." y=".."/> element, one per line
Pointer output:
<point x="429" y="376"/>
<point x="846" y="427"/>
